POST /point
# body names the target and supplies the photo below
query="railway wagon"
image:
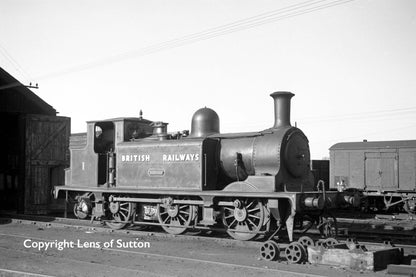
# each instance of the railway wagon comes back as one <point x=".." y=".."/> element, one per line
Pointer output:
<point x="132" y="171"/>
<point x="385" y="171"/>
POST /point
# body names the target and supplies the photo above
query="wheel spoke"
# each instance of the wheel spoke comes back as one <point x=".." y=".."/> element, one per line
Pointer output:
<point x="166" y="219"/>
<point x="252" y="223"/>
<point x="254" y="209"/>
<point x="232" y="223"/>
<point x="254" y="216"/>
<point x="183" y="219"/>
<point x="251" y="203"/>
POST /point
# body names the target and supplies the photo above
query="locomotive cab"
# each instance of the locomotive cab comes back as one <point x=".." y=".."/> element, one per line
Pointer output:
<point x="92" y="152"/>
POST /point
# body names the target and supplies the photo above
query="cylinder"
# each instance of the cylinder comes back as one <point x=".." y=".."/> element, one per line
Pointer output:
<point x="314" y="202"/>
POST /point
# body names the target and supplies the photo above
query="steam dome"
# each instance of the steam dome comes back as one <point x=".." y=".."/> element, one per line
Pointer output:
<point x="205" y="122"/>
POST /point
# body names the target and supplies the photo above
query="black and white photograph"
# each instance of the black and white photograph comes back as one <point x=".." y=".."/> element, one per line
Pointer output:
<point x="208" y="138"/>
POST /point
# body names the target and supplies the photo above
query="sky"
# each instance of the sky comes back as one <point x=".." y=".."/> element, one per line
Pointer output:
<point x="350" y="63"/>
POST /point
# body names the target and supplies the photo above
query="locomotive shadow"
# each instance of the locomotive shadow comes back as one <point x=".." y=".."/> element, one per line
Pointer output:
<point x="7" y="217"/>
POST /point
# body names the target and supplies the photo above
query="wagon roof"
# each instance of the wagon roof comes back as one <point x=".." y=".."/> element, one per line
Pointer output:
<point x="374" y="145"/>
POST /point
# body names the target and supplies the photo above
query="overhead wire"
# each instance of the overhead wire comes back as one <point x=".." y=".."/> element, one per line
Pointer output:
<point x="239" y="25"/>
<point x="386" y="114"/>
<point x="362" y="116"/>
<point x="407" y="109"/>
<point x="14" y="63"/>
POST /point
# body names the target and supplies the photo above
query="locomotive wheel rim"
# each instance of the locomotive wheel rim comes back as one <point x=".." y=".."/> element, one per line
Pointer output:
<point x="270" y="251"/>
<point x="306" y="241"/>
<point x="250" y="226"/>
<point x="182" y="218"/>
<point x="295" y="253"/>
<point x="122" y="216"/>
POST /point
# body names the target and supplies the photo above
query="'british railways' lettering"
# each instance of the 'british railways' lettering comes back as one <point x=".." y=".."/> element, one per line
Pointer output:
<point x="135" y="158"/>
<point x="180" y="157"/>
<point x="183" y="157"/>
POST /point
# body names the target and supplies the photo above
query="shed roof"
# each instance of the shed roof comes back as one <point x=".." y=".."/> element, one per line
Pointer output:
<point x="17" y="98"/>
<point x="392" y="144"/>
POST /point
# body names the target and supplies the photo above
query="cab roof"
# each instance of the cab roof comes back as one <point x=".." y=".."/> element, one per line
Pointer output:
<point x="392" y="144"/>
<point x="139" y="119"/>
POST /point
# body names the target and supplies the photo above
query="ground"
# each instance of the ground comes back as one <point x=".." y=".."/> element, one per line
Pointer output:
<point x="88" y="252"/>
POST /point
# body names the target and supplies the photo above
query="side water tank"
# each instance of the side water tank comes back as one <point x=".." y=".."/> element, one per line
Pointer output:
<point x="205" y="122"/>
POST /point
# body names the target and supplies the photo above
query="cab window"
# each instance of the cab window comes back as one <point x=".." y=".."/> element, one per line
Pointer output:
<point x="103" y="137"/>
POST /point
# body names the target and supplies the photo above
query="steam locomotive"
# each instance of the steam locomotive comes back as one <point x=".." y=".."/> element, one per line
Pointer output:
<point x="132" y="171"/>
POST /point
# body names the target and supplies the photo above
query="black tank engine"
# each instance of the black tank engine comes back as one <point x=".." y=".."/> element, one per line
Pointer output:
<point x="132" y="171"/>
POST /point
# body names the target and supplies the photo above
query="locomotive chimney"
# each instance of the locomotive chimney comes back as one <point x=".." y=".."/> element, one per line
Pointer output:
<point x="281" y="108"/>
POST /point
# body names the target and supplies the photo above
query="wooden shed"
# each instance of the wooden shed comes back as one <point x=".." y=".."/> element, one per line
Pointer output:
<point x="378" y="166"/>
<point x="34" y="149"/>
